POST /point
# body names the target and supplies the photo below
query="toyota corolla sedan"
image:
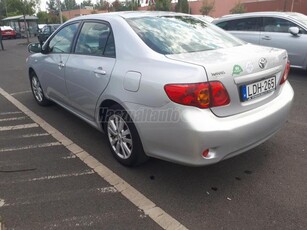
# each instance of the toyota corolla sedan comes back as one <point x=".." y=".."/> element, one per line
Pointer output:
<point x="163" y="85"/>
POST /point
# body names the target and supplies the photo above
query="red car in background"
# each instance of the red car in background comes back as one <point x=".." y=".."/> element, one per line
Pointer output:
<point x="8" y="32"/>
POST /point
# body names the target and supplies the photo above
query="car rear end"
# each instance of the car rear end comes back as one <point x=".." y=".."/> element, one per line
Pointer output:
<point x="252" y="104"/>
<point x="8" y="32"/>
<point x="240" y="100"/>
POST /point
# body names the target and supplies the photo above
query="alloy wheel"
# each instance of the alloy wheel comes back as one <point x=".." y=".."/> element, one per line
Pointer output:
<point x="120" y="136"/>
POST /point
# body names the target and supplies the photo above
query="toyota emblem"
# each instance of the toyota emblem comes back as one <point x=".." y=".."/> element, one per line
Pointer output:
<point x="262" y="63"/>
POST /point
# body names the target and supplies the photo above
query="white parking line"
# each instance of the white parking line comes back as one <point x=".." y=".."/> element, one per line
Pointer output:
<point x="87" y="172"/>
<point x="15" y="127"/>
<point x="13" y="119"/>
<point x="10" y="113"/>
<point x="30" y="147"/>
<point x="2" y="203"/>
<point x="33" y="135"/>
<point x="138" y="199"/>
<point x="54" y="196"/>
<point x="23" y="92"/>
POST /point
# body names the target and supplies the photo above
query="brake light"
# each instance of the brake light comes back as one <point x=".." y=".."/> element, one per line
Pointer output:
<point x="286" y="73"/>
<point x="201" y="95"/>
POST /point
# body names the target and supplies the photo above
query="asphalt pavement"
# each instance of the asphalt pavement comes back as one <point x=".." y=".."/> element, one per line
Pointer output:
<point x="43" y="185"/>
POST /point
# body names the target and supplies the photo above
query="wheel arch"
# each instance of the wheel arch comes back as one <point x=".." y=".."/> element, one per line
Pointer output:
<point x="103" y="109"/>
<point x="31" y="70"/>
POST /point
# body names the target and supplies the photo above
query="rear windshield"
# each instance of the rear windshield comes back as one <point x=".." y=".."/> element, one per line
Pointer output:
<point x="181" y="34"/>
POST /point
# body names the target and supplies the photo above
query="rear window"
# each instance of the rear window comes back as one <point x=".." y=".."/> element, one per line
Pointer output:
<point x="181" y="34"/>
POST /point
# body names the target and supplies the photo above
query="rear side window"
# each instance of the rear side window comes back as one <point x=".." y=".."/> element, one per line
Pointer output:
<point x="246" y="24"/>
<point x="180" y="34"/>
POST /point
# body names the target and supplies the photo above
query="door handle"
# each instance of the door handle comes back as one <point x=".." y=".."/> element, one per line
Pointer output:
<point x="266" y="38"/>
<point x="100" y="71"/>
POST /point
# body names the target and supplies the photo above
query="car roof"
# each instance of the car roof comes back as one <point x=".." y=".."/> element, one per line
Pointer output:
<point x="255" y="14"/>
<point x="129" y="14"/>
<point x="6" y="28"/>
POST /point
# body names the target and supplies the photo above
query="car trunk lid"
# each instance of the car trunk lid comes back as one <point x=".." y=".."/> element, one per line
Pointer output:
<point x="243" y="70"/>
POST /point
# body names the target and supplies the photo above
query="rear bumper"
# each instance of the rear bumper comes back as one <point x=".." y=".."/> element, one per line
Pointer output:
<point x="183" y="140"/>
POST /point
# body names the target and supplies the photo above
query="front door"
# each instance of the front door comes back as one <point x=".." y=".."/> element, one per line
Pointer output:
<point x="89" y="68"/>
<point x="276" y="34"/>
<point x="53" y="73"/>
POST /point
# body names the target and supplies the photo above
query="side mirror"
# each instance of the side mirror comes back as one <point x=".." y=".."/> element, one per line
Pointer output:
<point x="34" y="48"/>
<point x="294" y="31"/>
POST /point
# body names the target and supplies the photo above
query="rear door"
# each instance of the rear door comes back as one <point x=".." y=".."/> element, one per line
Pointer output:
<point x="89" y="68"/>
<point x="276" y="34"/>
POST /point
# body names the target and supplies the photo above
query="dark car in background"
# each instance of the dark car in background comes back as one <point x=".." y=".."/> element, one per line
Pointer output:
<point x="285" y="30"/>
<point x="46" y="31"/>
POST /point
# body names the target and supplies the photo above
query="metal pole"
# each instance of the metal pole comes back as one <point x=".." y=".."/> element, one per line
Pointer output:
<point x="285" y="5"/>
<point x="292" y="5"/>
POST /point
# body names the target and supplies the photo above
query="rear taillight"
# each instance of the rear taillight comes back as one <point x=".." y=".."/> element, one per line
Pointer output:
<point x="286" y="73"/>
<point x="201" y="95"/>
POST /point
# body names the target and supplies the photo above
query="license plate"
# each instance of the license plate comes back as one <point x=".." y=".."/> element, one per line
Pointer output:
<point x="258" y="88"/>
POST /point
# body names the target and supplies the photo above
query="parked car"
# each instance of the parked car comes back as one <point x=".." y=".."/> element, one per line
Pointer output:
<point x="46" y="31"/>
<point x="8" y="32"/>
<point x="276" y="29"/>
<point x="164" y="85"/>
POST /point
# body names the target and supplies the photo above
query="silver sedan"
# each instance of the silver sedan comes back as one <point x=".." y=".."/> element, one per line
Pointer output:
<point x="163" y="85"/>
<point x="284" y="30"/>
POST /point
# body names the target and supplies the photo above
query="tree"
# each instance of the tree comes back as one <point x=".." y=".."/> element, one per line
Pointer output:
<point x="87" y="3"/>
<point x="52" y="6"/>
<point x="207" y="7"/>
<point x="103" y="5"/>
<point x="162" y="5"/>
<point x="133" y="5"/>
<point x="182" y="6"/>
<point x="117" y="5"/>
<point x="69" y="5"/>
<point x="43" y="17"/>
<point x="23" y="7"/>
<point x="238" y="8"/>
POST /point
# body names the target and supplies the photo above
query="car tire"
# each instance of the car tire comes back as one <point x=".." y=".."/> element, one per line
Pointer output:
<point x="37" y="90"/>
<point x="123" y="138"/>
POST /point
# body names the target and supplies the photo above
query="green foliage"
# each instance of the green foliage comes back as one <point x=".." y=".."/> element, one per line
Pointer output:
<point x="87" y="3"/>
<point x="103" y="5"/>
<point x="52" y="6"/>
<point x="19" y="7"/>
<point x="207" y="7"/>
<point x="43" y="17"/>
<point x="69" y="5"/>
<point x="182" y="6"/>
<point x="133" y="5"/>
<point x="129" y="5"/>
<point x="238" y="8"/>
<point x="163" y="5"/>
<point x="117" y="5"/>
